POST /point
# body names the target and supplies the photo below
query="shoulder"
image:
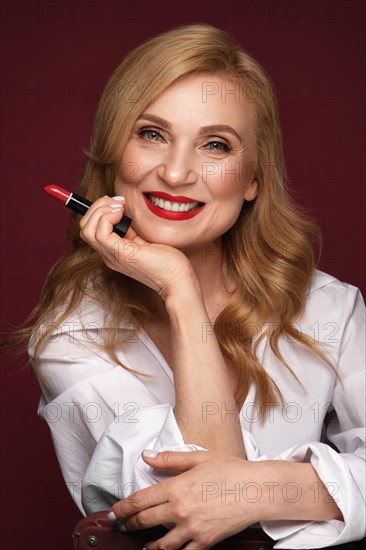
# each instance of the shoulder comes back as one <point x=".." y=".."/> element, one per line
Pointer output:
<point x="84" y="324"/>
<point x="325" y="288"/>
<point x="332" y="301"/>
<point x="91" y="311"/>
<point x="67" y="349"/>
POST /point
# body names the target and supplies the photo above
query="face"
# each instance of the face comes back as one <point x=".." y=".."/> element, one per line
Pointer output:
<point x="187" y="166"/>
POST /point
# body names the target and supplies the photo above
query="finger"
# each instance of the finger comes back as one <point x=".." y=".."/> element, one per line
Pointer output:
<point x="146" y="498"/>
<point x="131" y="235"/>
<point x="107" y="219"/>
<point x="173" y="540"/>
<point x="118" y="253"/>
<point x="90" y="223"/>
<point x="175" y="460"/>
<point x="103" y="201"/>
<point x="156" y="515"/>
<point x="195" y="546"/>
<point x="95" y="239"/>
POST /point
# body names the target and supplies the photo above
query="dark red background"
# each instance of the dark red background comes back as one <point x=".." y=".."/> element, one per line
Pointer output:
<point x="56" y="57"/>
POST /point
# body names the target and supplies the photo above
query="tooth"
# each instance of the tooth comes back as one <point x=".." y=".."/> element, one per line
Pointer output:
<point x="173" y="206"/>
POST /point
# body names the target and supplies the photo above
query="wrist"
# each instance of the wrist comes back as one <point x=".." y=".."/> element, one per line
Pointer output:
<point x="182" y="295"/>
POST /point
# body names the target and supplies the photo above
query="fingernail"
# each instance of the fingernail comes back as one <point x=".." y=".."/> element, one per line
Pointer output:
<point x="118" y="198"/>
<point x="116" y="206"/>
<point x="111" y="516"/>
<point x="149" y="453"/>
<point x="122" y="528"/>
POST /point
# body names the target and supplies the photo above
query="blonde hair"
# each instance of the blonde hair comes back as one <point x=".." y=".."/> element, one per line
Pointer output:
<point x="268" y="251"/>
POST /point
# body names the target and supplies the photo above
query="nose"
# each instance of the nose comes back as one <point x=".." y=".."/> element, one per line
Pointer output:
<point x="177" y="166"/>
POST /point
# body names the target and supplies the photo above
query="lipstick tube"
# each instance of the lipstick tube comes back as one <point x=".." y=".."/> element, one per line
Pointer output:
<point x="81" y="205"/>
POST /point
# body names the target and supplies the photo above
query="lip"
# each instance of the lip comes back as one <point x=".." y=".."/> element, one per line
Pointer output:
<point x="168" y="214"/>
<point x="172" y="198"/>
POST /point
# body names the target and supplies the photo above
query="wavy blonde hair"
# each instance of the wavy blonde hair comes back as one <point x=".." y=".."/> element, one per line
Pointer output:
<point x="269" y="250"/>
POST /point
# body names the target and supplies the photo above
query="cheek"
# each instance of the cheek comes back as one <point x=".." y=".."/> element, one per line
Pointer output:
<point x="128" y="172"/>
<point x="135" y="165"/>
<point x="129" y="167"/>
<point x="229" y="182"/>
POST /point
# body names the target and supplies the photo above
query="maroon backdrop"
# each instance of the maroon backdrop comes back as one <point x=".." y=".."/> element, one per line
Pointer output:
<point x="56" y="58"/>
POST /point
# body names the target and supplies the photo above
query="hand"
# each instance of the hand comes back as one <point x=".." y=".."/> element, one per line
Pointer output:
<point x="201" y="503"/>
<point x="158" y="266"/>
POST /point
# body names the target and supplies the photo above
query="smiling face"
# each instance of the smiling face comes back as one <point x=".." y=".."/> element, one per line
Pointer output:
<point x="187" y="166"/>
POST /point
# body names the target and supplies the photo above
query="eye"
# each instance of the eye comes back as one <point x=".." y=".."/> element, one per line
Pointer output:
<point x="150" y="134"/>
<point x="218" y="146"/>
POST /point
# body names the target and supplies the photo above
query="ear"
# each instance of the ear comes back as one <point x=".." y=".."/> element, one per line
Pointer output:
<point x="251" y="191"/>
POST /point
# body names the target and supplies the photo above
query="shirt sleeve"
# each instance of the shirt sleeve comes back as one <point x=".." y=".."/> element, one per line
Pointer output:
<point x="101" y="417"/>
<point x="83" y="391"/>
<point x="342" y="470"/>
<point x="117" y="470"/>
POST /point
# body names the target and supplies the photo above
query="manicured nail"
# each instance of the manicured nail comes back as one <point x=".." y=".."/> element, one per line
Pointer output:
<point x="111" y="516"/>
<point x="149" y="453"/>
<point x="122" y="528"/>
<point x="118" y="198"/>
<point x="116" y="206"/>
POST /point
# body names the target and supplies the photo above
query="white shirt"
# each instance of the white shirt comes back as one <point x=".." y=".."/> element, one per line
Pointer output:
<point x="102" y="417"/>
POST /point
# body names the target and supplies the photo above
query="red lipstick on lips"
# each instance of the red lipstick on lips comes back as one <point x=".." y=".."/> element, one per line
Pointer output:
<point x="168" y="214"/>
<point x="80" y="205"/>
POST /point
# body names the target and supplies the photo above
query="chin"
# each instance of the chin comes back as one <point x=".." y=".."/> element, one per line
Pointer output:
<point x="169" y="235"/>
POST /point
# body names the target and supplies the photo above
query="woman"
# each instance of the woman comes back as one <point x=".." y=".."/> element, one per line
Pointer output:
<point x="207" y="328"/>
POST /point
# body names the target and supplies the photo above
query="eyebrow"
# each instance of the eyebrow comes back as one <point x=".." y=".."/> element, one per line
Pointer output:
<point x="204" y="130"/>
<point x="219" y="128"/>
<point x="156" y="119"/>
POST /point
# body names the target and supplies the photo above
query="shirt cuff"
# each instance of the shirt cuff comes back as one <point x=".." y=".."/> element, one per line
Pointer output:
<point x="332" y="469"/>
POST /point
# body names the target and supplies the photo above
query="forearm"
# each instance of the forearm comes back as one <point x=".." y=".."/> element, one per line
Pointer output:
<point x="291" y="491"/>
<point x="202" y="382"/>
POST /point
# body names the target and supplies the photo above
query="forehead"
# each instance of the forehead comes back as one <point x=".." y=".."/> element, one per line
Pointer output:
<point x="204" y="100"/>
